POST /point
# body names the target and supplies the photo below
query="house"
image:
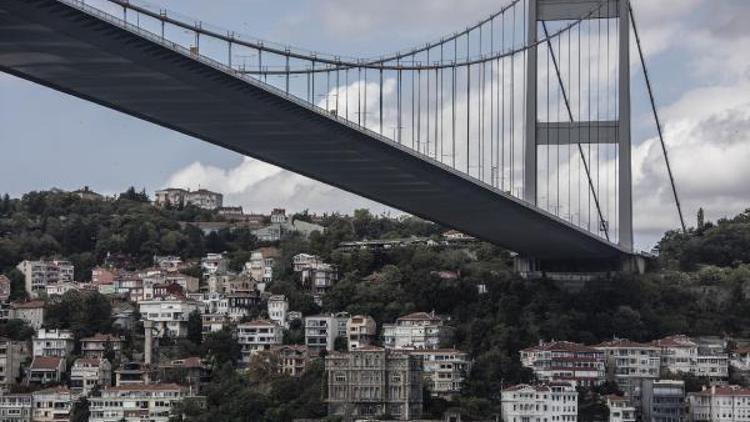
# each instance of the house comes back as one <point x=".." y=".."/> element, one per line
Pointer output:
<point x="739" y="359"/>
<point x="419" y="330"/>
<point x="281" y="224"/>
<point x="372" y="382"/>
<point x="168" y="263"/>
<point x="214" y="263"/>
<point x="200" y="198"/>
<point x="52" y="404"/>
<point x="96" y="345"/>
<point x="256" y="336"/>
<point x="360" y="331"/>
<point x="565" y="361"/>
<point x="46" y="370"/>
<point x="231" y="213"/>
<point x="320" y="333"/>
<point x="719" y="403"/>
<point x="620" y="409"/>
<point x="662" y="400"/>
<point x="170" y="197"/>
<point x="683" y="355"/>
<point x="277" y="309"/>
<point x="260" y="266"/>
<point x="136" y="403"/>
<point x="87" y="194"/>
<point x="32" y="312"/>
<point x="190" y="371"/>
<point x="102" y="275"/>
<point x="39" y="274"/>
<point x="213" y="323"/>
<point x="47" y="342"/>
<point x="291" y="359"/>
<point x="629" y="362"/>
<point x="169" y="315"/>
<point x="12" y="354"/>
<point x="4" y="288"/>
<point x="303" y="260"/>
<point x="444" y="371"/>
<point x="319" y="278"/>
<point x="59" y="289"/>
<point x="545" y="402"/>
<point x="16" y="407"/>
<point x="135" y="373"/>
<point x="89" y="373"/>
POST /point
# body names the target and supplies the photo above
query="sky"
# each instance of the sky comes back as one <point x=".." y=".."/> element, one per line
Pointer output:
<point x="696" y="50"/>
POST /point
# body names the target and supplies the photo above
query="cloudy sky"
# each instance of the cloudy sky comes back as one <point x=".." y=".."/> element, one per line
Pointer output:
<point x="697" y="50"/>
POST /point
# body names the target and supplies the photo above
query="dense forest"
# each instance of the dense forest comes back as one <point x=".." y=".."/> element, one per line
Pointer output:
<point x="699" y="285"/>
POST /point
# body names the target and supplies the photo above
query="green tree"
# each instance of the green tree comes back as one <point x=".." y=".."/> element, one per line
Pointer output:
<point x="195" y="327"/>
<point x="221" y="348"/>
<point x="80" y="410"/>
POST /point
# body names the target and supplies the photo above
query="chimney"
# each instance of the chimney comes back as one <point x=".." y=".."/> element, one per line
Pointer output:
<point x="148" y="342"/>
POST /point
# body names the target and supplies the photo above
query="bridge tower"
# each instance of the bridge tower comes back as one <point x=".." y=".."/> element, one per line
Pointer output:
<point x="608" y="131"/>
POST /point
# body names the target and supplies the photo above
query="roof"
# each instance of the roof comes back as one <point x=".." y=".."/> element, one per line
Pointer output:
<point x="32" y="304"/>
<point x="46" y="362"/>
<point x="542" y="388"/>
<point x="258" y="322"/>
<point x="674" y="341"/>
<point x="724" y="390"/>
<point x="369" y="348"/>
<point x="52" y="390"/>
<point x="615" y="397"/>
<point x="269" y="252"/>
<point x="189" y="362"/>
<point x="435" y="351"/>
<point x="624" y="343"/>
<point x="745" y="349"/>
<point x="419" y="316"/>
<point x="88" y="361"/>
<point x="102" y="337"/>
<point x="561" y="346"/>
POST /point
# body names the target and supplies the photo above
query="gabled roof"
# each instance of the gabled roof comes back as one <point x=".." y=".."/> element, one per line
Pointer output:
<point x="419" y="316"/>
<point x="674" y="341"/>
<point x="46" y="362"/>
<point x="145" y="387"/>
<point x="32" y="304"/>
<point x="103" y="337"/>
<point x="624" y="343"/>
<point x="561" y="346"/>
<point x="724" y="390"/>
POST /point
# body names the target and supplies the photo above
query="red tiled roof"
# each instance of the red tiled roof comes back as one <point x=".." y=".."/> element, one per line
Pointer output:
<point x="190" y="362"/>
<point x="674" y="341"/>
<point x="145" y="387"/>
<point x="742" y="350"/>
<point x="102" y="337"/>
<point x="89" y="361"/>
<point x="561" y="346"/>
<point x="624" y="343"/>
<point x="724" y="390"/>
<point x="258" y="322"/>
<point x="46" y="362"/>
<point x="419" y="316"/>
<point x="32" y="304"/>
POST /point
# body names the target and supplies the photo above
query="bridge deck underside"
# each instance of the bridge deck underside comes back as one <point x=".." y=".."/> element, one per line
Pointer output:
<point x="65" y="49"/>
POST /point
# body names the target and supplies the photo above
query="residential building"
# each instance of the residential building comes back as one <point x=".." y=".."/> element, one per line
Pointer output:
<point x="260" y="266"/>
<point x="59" y="289"/>
<point x="47" y="342"/>
<point x="320" y="333"/>
<point x="556" y="402"/>
<point x="52" y="404"/>
<point x="319" y="278"/>
<point x="341" y="319"/>
<point x="39" y="274"/>
<point x="191" y="371"/>
<point x="360" y="331"/>
<point x="231" y="213"/>
<point x="32" y="312"/>
<point x="256" y="336"/>
<point x="213" y="263"/>
<point x="96" y="345"/>
<point x="662" y="400"/>
<point x="278" y="306"/>
<point x="45" y="370"/>
<point x="281" y="225"/>
<point x="89" y="373"/>
<point x="16" y="407"/>
<point x="372" y="382"/>
<point x="213" y="323"/>
<point x="101" y="275"/>
<point x="4" y="288"/>
<point x="136" y="403"/>
<point x="565" y="361"/>
<point x="200" y="198"/>
<point x="444" y="371"/>
<point x="168" y="263"/>
<point x="291" y="359"/>
<point x="702" y="357"/>
<point x="629" y="362"/>
<point x="169" y="316"/>
<point x="87" y="194"/>
<point x="303" y="260"/>
<point x="12" y="354"/>
<point x="739" y="358"/>
<point x="419" y="330"/>
<point x="135" y="373"/>
<point x="620" y="409"/>
<point x="719" y="403"/>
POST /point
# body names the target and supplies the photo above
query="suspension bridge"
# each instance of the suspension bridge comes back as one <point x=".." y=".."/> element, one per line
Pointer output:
<point x="515" y="130"/>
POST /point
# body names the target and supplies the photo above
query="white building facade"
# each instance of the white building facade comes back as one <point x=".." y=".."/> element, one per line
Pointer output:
<point x="540" y="403"/>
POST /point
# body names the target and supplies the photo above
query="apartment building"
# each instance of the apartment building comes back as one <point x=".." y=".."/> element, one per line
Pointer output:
<point x="200" y="198"/>
<point x="39" y="274"/>
<point x="278" y="306"/>
<point x="739" y="359"/>
<point x="719" y="403"/>
<point x="135" y="373"/>
<point x="89" y="373"/>
<point x="662" y="400"/>
<point x="136" y="403"/>
<point x="620" y="409"/>
<point x="214" y="263"/>
<point x="12" y="354"/>
<point x="320" y="333"/>
<point x="419" y="330"/>
<point x="629" y="362"/>
<point x="700" y="357"/>
<point x="32" y="312"/>
<point x="444" y="371"/>
<point x="16" y="407"/>
<point x="256" y="336"/>
<point x="303" y="260"/>
<point x="52" y="404"/>
<point x="291" y="359"/>
<point x="319" y="278"/>
<point x="555" y="402"/>
<point x="565" y="361"/>
<point x="360" y="331"/>
<point x="49" y="342"/>
<point x="169" y="315"/>
<point x="96" y="345"/>
<point x="4" y="288"/>
<point x="372" y="382"/>
<point x="260" y="266"/>
<point x="213" y="323"/>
